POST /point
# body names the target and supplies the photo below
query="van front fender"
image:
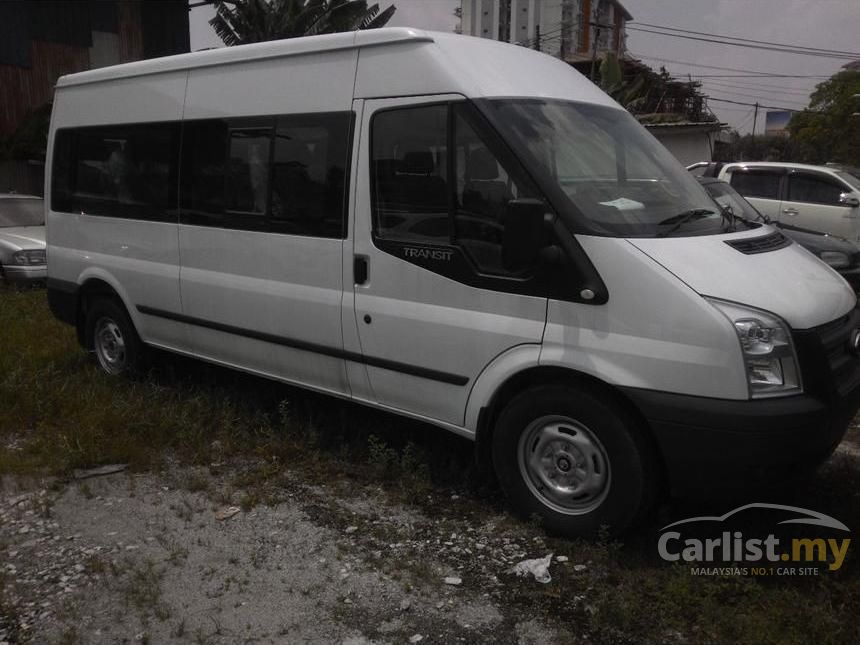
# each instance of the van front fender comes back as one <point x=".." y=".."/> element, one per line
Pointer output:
<point x="504" y="366"/>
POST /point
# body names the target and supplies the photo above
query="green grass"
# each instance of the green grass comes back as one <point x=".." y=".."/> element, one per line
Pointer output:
<point x="58" y="413"/>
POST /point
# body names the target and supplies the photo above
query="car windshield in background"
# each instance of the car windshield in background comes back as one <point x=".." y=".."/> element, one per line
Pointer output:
<point x="624" y="182"/>
<point x="850" y="178"/>
<point x="726" y="196"/>
<point x="21" y="212"/>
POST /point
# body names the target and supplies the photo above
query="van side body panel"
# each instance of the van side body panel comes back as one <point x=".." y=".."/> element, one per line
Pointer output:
<point x="140" y="258"/>
<point x="287" y="288"/>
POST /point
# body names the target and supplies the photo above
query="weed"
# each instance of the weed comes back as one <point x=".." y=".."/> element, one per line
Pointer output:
<point x="141" y="589"/>
<point x="85" y="490"/>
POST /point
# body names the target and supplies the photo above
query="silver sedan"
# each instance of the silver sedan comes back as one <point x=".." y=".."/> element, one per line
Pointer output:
<point x="22" y="239"/>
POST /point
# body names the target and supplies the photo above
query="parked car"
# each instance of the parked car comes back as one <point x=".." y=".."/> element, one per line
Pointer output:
<point x="820" y="198"/>
<point x="839" y="253"/>
<point x="22" y="239"/>
<point x="498" y="249"/>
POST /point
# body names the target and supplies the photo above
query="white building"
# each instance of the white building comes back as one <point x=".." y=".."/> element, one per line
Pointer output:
<point x="573" y="30"/>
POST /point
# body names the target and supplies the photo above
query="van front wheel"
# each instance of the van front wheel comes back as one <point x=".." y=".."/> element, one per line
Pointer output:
<point x="113" y="339"/>
<point x="575" y="458"/>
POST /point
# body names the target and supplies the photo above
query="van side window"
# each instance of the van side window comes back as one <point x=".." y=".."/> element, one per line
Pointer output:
<point x="282" y="174"/>
<point x="117" y="171"/>
<point x="426" y="193"/>
<point x="814" y="189"/>
<point x="309" y="175"/>
<point x="756" y="183"/>
<point x="248" y="171"/>
<point x="410" y="188"/>
<point x="204" y="145"/>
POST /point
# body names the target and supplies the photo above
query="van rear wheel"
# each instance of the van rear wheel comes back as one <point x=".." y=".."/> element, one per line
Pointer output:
<point x="113" y="339"/>
<point x="575" y="458"/>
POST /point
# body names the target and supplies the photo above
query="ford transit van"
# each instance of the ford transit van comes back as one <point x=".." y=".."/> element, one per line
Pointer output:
<point x="456" y="230"/>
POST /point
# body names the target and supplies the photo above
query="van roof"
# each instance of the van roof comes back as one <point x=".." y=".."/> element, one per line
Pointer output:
<point x="245" y="53"/>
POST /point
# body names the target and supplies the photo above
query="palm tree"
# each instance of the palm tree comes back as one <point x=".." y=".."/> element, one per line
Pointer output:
<point x="238" y="22"/>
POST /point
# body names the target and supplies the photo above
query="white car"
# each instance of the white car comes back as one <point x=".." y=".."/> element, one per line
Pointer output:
<point x="22" y="239"/>
<point x="820" y="198"/>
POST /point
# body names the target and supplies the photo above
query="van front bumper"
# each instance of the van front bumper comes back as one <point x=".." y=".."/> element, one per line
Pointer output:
<point x="716" y="447"/>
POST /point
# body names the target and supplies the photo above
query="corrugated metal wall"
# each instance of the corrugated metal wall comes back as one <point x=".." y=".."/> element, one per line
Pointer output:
<point x="130" y="32"/>
<point x="41" y="41"/>
<point x="26" y="88"/>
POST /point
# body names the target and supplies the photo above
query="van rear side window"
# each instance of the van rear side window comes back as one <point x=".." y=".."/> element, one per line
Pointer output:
<point x="117" y="171"/>
<point x="282" y="174"/>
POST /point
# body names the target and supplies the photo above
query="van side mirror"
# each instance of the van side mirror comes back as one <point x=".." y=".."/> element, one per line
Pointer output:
<point x="525" y="233"/>
<point x="847" y="199"/>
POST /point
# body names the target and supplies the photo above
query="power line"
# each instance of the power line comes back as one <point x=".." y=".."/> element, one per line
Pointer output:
<point x="759" y="76"/>
<point x="747" y="96"/>
<point x="748" y="46"/>
<point x="768" y="89"/>
<point x="725" y="69"/>
<point x="767" y="107"/>
<point x="749" y="40"/>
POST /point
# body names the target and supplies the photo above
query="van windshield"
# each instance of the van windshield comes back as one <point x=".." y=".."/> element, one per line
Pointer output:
<point x="618" y="176"/>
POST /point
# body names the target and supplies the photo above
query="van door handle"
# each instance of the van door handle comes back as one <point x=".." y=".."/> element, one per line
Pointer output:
<point x="360" y="269"/>
<point x="789" y="211"/>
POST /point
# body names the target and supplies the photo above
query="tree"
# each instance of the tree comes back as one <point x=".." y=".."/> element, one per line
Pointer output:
<point x="828" y="129"/>
<point x="238" y="22"/>
<point x="630" y="94"/>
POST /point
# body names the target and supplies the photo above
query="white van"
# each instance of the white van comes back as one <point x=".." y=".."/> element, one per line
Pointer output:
<point x="456" y="230"/>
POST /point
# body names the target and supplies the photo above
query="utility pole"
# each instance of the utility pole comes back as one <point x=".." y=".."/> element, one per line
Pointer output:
<point x="537" y="37"/>
<point x="755" y="118"/>
<point x="596" y="37"/>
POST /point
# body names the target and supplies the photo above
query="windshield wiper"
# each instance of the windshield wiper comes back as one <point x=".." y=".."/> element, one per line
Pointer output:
<point x="680" y="219"/>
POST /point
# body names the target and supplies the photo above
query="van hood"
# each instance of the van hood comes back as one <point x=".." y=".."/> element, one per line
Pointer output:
<point x="790" y="281"/>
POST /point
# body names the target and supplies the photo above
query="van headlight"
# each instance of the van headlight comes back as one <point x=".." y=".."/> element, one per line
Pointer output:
<point x="767" y="348"/>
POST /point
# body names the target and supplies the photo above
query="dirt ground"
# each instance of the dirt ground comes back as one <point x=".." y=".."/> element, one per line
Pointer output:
<point x="150" y="558"/>
<point x="140" y="558"/>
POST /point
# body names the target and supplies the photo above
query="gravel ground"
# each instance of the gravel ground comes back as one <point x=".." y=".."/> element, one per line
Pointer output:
<point x="134" y="558"/>
<point x="165" y="557"/>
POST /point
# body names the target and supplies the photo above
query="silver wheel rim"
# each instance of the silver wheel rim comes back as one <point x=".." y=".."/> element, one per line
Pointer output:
<point x="110" y="346"/>
<point x="564" y="465"/>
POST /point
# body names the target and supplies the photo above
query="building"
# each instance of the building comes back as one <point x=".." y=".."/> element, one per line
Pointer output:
<point x="688" y="141"/>
<point x="573" y="30"/>
<point x="42" y="40"/>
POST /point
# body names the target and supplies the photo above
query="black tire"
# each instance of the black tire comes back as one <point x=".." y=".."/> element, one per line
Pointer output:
<point x="107" y="322"/>
<point x="548" y="435"/>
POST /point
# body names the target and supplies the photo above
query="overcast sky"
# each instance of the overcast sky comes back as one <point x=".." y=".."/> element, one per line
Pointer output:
<point x="828" y="24"/>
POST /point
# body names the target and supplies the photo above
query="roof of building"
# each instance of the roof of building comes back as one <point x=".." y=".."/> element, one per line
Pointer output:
<point x="627" y="15"/>
<point x="690" y="125"/>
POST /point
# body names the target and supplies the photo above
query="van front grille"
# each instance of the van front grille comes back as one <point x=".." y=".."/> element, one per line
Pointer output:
<point x="762" y="244"/>
<point x="827" y="363"/>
